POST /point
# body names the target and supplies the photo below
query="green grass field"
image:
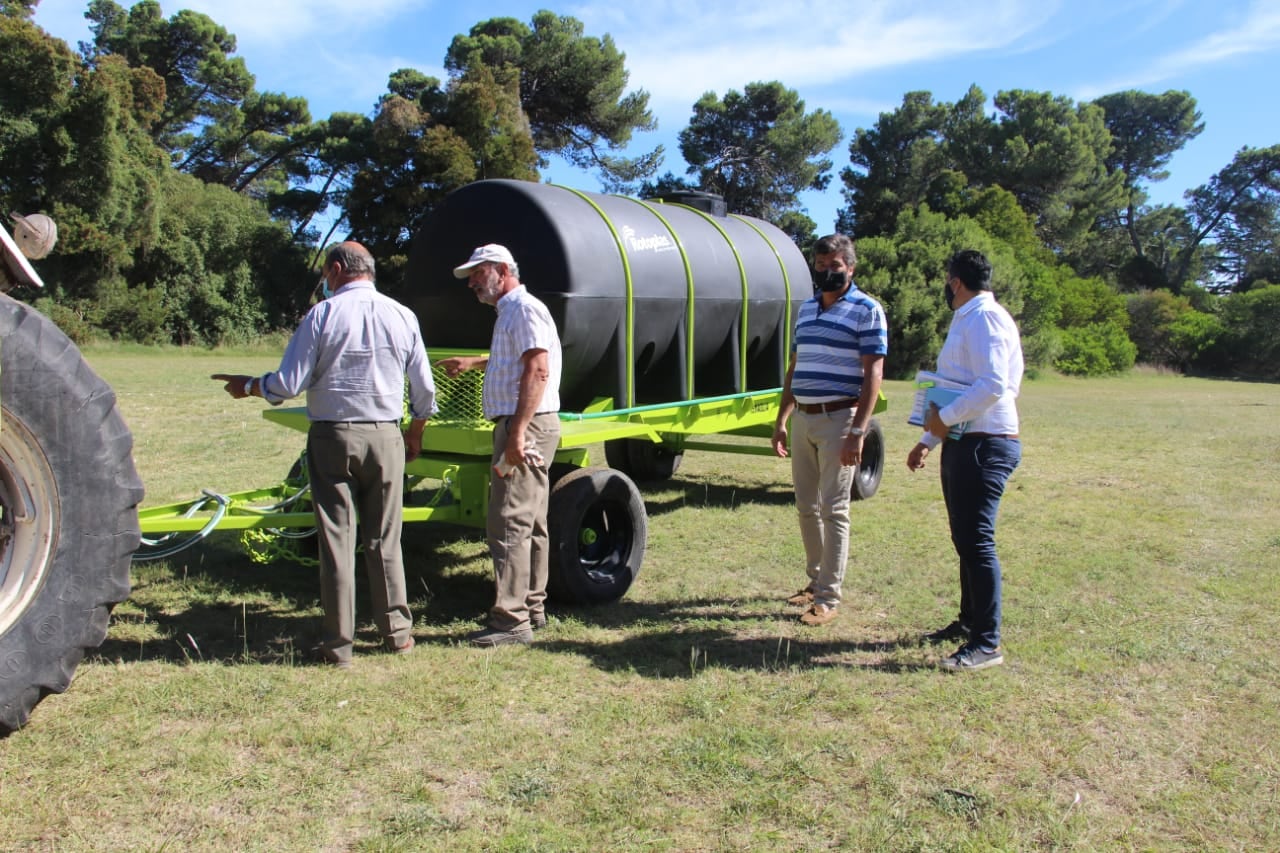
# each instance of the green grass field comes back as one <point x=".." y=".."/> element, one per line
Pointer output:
<point x="1138" y="709"/>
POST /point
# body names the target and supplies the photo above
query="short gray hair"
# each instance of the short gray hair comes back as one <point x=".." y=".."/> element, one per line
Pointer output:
<point x="355" y="259"/>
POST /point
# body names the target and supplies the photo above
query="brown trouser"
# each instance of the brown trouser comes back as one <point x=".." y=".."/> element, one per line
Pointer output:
<point x="822" y="498"/>
<point x="357" y="472"/>
<point x="517" y="525"/>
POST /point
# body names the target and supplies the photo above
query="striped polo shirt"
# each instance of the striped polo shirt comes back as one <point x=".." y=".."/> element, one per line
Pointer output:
<point x="830" y="342"/>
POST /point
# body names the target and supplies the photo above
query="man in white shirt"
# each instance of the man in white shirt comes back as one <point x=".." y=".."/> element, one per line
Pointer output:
<point x="351" y="355"/>
<point x="983" y="351"/>
<point x="522" y="398"/>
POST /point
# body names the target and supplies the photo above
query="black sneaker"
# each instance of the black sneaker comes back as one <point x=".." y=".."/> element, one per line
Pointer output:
<point x="970" y="658"/>
<point x="957" y="630"/>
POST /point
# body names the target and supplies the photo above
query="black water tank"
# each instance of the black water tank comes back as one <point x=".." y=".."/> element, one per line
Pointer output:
<point x="708" y="300"/>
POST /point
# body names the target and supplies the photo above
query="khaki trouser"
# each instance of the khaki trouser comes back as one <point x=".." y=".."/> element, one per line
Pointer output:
<point x="822" y="498"/>
<point x="357" y="473"/>
<point x="517" y="525"/>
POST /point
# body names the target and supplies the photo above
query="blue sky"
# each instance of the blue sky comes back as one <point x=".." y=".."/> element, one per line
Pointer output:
<point x="855" y="59"/>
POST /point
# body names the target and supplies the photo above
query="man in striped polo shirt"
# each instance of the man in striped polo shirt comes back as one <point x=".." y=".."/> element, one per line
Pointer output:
<point x="837" y="364"/>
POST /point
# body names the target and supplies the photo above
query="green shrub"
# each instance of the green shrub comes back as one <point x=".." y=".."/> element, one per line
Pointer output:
<point x="66" y="317"/>
<point x="1095" y="350"/>
<point x="1249" y="341"/>
<point x="1167" y="330"/>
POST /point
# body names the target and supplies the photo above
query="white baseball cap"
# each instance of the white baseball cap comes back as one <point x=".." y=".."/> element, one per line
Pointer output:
<point x="488" y="253"/>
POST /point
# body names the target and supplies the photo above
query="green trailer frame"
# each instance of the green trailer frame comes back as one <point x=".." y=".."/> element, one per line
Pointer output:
<point x="596" y="516"/>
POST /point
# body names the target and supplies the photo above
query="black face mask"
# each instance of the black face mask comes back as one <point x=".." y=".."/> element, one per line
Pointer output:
<point x="950" y="295"/>
<point x="829" y="281"/>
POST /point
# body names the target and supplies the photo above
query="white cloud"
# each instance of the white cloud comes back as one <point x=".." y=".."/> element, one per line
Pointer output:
<point x="257" y="23"/>
<point x="678" y="50"/>
<point x="1257" y="31"/>
<point x="279" y="22"/>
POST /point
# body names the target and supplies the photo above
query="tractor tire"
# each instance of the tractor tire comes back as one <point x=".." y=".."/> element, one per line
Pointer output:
<point x="866" y="480"/>
<point x="69" y="498"/>
<point x="598" y="530"/>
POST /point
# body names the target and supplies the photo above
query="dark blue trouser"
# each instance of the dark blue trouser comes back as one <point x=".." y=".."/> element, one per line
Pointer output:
<point x="974" y="472"/>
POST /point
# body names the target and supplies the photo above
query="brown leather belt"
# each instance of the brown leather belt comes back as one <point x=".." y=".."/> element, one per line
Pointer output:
<point x="535" y="414"/>
<point x="823" y="408"/>
<point x="988" y="435"/>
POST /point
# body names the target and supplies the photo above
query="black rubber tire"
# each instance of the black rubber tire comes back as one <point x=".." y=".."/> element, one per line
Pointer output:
<point x="866" y="480"/>
<point x="617" y="454"/>
<point x="558" y="470"/>
<point x="642" y="460"/>
<point x="66" y="469"/>
<point x="598" y="529"/>
<point x="652" y="463"/>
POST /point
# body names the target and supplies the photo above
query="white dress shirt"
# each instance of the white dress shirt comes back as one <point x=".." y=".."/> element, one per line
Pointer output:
<point x="984" y="351"/>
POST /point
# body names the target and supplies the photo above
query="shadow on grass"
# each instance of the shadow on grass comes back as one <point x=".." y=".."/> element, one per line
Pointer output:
<point x="686" y="653"/>
<point x="682" y="639"/>
<point x="678" y="639"/>
<point x="703" y="492"/>
<point x="213" y="603"/>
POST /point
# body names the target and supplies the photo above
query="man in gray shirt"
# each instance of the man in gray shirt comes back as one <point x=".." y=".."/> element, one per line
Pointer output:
<point x="351" y="355"/>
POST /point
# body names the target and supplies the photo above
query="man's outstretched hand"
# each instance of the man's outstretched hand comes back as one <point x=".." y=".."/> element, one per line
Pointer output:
<point x="235" y="383"/>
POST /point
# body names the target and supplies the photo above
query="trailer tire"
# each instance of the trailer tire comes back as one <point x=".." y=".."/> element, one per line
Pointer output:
<point x="643" y="460"/>
<point x="70" y="497"/>
<point x="866" y="480"/>
<point x="598" y="530"/>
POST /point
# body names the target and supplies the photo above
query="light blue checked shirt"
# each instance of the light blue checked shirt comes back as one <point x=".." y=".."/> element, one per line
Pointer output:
<point x="523" y="324"/>
<point x="351" y="354"/>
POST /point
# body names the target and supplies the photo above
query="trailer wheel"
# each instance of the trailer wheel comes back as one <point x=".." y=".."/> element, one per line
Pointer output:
<point x="643" y="460"/>
<point x="617" y="454"/>
<point x="598" y="530"/>
<point x="68" y="510"/>
<point x="866" y="480"/>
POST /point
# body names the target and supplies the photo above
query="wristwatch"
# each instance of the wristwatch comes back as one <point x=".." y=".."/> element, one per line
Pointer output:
<point x="248" y="387"/>
<point x="857" y="431"/>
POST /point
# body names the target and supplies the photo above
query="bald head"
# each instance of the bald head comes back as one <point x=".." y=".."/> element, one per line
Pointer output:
<point x="353" y="261"/>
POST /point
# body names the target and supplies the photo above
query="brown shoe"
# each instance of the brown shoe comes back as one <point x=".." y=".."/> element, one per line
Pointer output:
<point x="401" y="650"/>
<point x="803" y="598"/>
<point x="818" y="614"/>
<point x="485" y="638"/>
<point x="320" y="655"/>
